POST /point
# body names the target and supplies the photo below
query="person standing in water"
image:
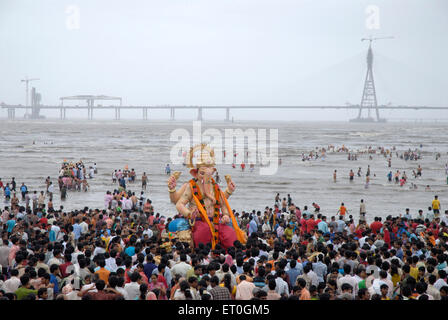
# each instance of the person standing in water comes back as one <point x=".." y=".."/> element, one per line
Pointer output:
<point x="168" y="169"/>
<point x="362" y="211"/>
<point x="342" y="210"/>
<point x="367" y="181"/>
<point x="334" y="175"/>
<point x="144" y="180"/>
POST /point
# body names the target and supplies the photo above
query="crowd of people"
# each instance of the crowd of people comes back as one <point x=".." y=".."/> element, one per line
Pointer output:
<point x="73" y="176"/>
<point x="125" y="251"/>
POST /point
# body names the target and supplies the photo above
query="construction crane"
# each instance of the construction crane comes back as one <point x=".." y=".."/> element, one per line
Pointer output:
<point x="368" y="99"/>
<point x="27" y="81"/>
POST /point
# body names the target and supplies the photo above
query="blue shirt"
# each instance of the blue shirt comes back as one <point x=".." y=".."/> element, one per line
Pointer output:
<point x="7" y="191"/>
<point x="130" y="251"/>
<point x="252" y="226"/>
<point x="399" y="253"/>
<point x="54" y="280"/>
<point x="77" y="231"/>
<point x="441" y="266"/>
<point x="52" y="235"/>
<point x="320" y="269"/>
<point x="148" y="268"/>
<point x="322" y="226"/>
<point x="11" y="224"/>
<point x="294" y="273"/>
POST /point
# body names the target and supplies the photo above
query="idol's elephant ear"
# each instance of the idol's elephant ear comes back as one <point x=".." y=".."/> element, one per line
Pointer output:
<point x="194" y="173"/>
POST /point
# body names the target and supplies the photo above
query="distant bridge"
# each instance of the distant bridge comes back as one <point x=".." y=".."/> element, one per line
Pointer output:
<point x="118" y="109"/>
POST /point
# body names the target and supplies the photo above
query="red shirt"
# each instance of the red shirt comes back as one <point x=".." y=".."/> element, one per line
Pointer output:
<point x="359" y="232"/>
<point x="127" y="279"/>
<point x="387" y="237"/>
<point x="435" y="232"/>
<point x="310" y="223"/>
<point x="162" y="279"/>
<point x="43" y="221"/>
<point x="303" y="223"/>
<point x="144" y="278"/>
<point x="376" y="226"/>
<point x="63" y="268"/>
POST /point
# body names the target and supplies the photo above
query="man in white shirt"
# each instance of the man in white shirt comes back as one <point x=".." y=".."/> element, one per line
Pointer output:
<point x="121" y="289"/>
<point x="281" y="286"/>
<point x="362" y="240"/>
<point x="133" y="288"/>
<point x="13" y="283"/>
<point x="440" y="281"/>
<point x="445" y="218"/>
<point x="347" y="278"/>
<point x="309" y="275"/>
<point x="84" y="226"/>
<point x="57" y="258"/>
<point x="430" y="214"/>
<point x="148" y="231"/>
<point x="244" y="290"/>
<point x="50" y="189"/>
<point x="56" y="229"/>
<point x="376" y="285"/>
<point x="433" y="291"/>
<point x="111" y="263"/>
<point x="182" y="267"/>
<point x="127" y="204"/>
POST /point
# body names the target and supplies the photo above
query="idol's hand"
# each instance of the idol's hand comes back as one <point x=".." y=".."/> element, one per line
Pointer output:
<point x="231" y="186"/>
<point x="172" y="182"/>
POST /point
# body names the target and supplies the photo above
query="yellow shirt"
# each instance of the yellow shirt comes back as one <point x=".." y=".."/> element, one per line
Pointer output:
<point x="395" y="279"/>
<point x="106" y="240"/>
<point x="436" y="204"/>
<point x="288" y="233"/>
<point x="414" y="273"/>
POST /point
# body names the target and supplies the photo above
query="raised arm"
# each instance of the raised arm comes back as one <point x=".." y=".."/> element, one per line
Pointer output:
<point x="175" y="195"/>
<point x="185" y="198"/>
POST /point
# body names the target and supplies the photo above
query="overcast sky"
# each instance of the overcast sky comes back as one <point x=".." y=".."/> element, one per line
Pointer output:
<point x="227" y="52"/>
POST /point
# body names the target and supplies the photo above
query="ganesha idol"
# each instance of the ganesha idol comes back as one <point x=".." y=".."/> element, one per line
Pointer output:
<point x="203" y="204"/>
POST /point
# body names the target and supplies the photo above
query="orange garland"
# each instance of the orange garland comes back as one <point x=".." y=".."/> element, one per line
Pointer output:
<point x="240" y="234"/>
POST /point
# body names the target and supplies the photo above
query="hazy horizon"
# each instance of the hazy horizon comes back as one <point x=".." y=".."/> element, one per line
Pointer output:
<point x="233" y="52"/>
